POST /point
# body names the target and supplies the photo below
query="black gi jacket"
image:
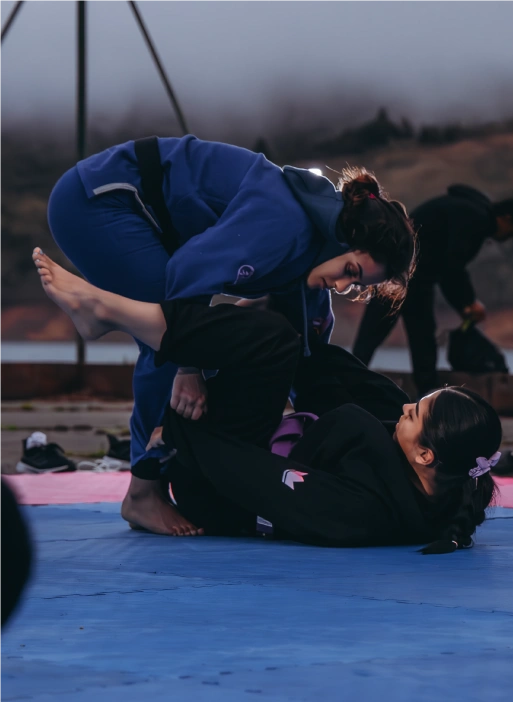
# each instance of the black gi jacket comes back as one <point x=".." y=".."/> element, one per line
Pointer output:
<point x="345" y="484"/>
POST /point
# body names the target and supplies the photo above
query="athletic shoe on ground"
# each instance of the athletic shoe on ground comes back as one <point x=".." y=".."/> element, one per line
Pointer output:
<point x="119" y="449"/>
<point x="41" y="457"/>
<point x="104" y="465"/>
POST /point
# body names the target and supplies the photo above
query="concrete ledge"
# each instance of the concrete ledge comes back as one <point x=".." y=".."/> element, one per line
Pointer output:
<point x="22" y="381"/>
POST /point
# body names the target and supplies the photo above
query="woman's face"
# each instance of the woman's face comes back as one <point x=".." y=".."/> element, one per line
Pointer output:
<point x="409" y="427"/>
<point x="353" y="267"/>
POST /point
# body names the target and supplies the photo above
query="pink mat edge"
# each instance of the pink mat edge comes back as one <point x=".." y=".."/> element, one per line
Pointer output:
<point x="91" y="488"/>
<point x="69" y="488"/>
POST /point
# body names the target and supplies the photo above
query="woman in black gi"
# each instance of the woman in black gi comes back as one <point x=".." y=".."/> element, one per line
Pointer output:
<point x="373" y="470"/>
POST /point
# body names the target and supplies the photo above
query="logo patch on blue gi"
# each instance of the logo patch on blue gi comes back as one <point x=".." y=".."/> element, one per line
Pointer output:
<point x="244" y="273"/>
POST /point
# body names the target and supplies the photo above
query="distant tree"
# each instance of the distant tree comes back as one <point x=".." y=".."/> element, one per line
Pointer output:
<point x="407" y="130"/>
<point x="448" y="134"/>
<point x="378" y="132"/>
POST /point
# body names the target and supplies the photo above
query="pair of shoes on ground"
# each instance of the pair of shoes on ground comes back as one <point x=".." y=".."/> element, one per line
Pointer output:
<point x="39" y="457"/>
<point x="116" y="459"/>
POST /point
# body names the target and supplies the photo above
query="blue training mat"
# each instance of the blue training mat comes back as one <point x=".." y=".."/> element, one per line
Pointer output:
<point x="113" y="614"/>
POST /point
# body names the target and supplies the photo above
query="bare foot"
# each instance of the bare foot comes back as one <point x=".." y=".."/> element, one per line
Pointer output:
<point x="79" y="299"/>
<point x="145" y="507"/>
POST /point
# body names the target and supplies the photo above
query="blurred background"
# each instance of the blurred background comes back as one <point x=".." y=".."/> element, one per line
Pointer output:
<point x="421" y="93"/>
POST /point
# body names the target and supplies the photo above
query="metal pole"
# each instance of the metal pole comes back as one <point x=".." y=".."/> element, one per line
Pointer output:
<point x="160" y="67"/>
<point x="81" y="79"/>
<point x="81" y="139"/>
<point x="11" y="17"/>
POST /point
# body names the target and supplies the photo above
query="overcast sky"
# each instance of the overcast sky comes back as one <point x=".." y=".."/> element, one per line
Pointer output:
<point x="257" y="61"/>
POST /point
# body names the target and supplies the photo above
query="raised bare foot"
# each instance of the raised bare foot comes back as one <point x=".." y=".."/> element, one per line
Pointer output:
<point x="145" y="507"/>
<point x="79" y="299"/>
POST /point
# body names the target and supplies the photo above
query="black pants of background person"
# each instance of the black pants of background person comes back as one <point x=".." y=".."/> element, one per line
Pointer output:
<point x="257" y="354"/>
<point x="419" y="320"/>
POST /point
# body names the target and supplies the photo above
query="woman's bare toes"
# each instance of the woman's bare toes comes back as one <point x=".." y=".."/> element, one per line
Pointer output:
<point x="151" y="512"/>
<point x="39" y="257"/>
<point x="75" y="296"/>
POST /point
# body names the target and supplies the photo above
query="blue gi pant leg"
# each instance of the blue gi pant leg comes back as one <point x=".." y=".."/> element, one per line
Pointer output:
<point x="115" y="247"/>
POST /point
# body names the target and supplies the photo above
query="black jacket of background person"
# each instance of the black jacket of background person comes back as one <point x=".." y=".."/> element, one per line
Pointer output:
<point x="452" y="229"/>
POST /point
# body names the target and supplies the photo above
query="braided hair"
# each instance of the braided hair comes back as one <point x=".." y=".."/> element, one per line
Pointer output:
<point x="373" y="223"/>
<point x="459" y="427"/>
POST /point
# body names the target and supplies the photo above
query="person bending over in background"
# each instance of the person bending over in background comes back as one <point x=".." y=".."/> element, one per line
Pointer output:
<point x="451" y="230"/>
<point x="347" y="482"/>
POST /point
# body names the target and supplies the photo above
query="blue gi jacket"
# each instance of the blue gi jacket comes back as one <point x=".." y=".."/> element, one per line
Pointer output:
<point x="247" y="227"/>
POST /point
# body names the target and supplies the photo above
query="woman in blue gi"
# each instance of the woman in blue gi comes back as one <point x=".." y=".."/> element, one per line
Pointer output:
<point x="187" y="219"/>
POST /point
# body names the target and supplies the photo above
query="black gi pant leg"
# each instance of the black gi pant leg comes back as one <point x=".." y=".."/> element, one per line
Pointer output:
<point x="256" y="353"/>
<point x="332" y="377"/>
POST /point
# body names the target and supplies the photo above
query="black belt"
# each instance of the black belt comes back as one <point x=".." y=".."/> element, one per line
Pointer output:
<point x="152" y="179"/>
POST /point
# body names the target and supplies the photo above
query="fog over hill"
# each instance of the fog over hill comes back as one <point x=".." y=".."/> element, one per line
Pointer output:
<point x="247" y="69"/>
<point x="410" y="169"/>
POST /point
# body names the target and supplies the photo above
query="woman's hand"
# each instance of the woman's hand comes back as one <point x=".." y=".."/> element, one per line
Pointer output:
<point x="189" y="396"/>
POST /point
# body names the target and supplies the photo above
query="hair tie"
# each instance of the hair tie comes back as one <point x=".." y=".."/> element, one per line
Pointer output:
<point x="484" y="465"/>
<point x="372" y="197"/>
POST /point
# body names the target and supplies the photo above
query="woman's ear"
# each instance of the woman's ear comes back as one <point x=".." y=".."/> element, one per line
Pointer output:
<point x="424" y="457"/>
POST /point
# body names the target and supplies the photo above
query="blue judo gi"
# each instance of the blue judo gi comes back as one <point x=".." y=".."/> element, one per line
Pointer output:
<point x="246" y="227"/>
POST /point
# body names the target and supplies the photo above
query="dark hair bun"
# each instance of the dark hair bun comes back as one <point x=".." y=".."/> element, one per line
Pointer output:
<point x="372" y="223"/>
<point x="357" y="184"/>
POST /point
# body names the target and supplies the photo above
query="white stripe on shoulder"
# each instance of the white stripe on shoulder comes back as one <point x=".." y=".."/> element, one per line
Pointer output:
<point x="127" y="186"/>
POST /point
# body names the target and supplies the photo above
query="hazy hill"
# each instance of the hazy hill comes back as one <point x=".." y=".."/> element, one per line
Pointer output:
<point x="408" y="170"/>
